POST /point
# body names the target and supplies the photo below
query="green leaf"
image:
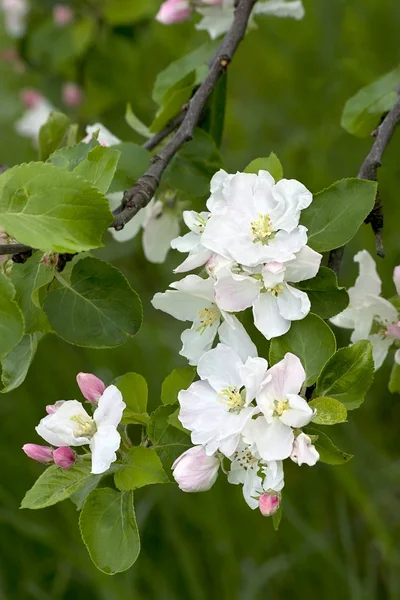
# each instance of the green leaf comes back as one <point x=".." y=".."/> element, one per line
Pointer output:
<point x="133" y="162"/>
<point x="167" y="439"/>
<point x="133" y="388"/>
<point x="174" y="99"/>
<point x="135" y="123"/>
<point x="394" y="381"/>
<point x="214" y="112"/>
<point x="329" y="411"/>
<point x="272" y="164"/>
<point x="362" y="112"/>
<point x="57" y="484"/>
<point x="328" y="452"/>
<point x="109" y="530"/>
<point x="311" y="340"/>
<point x="16" y="364"/>
<point x="277" y="517"/>
<point x="98" y="309"/>
<point x="327" y="299"/>
<point x="348" y="375"/>
<point x="175" y="422"/>
<point x="79" y="497"/>
<point x="28" y="278"/>
<point x="49" y="208"/>
<point x="11" y="319"/>
<point x="337" y="212"/>
<point x="178" y="380"/>
<point x="53" y="134"/>
<point x="119" y="12"/>
<point x="140" y="467"/>
<point x="99" y="167"/>
<point x="71" y="156"/>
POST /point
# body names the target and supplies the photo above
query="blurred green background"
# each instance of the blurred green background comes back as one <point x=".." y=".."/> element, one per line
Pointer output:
<point x="340" y="530"/>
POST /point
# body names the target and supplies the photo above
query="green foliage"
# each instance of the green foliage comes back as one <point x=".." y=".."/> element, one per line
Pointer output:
<point x="271" y="163"/>
<point x="135" y="123"/>
<point x="214" y="112"/>
<point x="362" y="112"/>
<point x="11" y="318"/>
<point x="337" y="212"/>
<point x="16" y="364"/>
<point x="53" y="134"/>
<point x="169" y="441"/>
<point x="133" y="162"/>
<point x="394" y="381"/>
<point x="173" y="100"/>
<point x="133" y="388"/>
<point x="328" y="452"/>
<point x="277" y="517"/>
<point x="56" y="484"/>
<point x="119" y="12"/>
<point x="348" y="375"/>
<point x="140" y="467"/>
<point x="70" y="157"/>
<point x="311" y="340"/>
<point x="99" y="167"/>
<point x="327" y="299"/>
<point x="98" y="309"/>
<point x="178" y="380"/>
<point x="329" y="411"/>
<point x="49" y="208"/>
<point x="108" y="527"/>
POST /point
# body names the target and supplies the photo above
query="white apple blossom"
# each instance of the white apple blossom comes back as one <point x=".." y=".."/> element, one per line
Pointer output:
<point x="267" y="289"/>
<point x="217" y="20"/>
<point x="104" y="136"/>
<point x="70" y="425"/>
<point x="15" y="13"/>
<point x="282" y="409"/>
<point x="195" y="471"/>
<point x="217" y="408"/>
<point x="191" y="242"/>
<point x="367" y="309"/>
<point x="192" y="299"/>
<point x="304" y="452"/>
<point x="32" y="120"/>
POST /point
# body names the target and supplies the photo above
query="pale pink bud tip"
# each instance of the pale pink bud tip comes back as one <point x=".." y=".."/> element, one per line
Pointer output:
<point x="72" y="95"/>
<point x="91" y="386"/>
<point x="30" y="97"/>
<point x="42" y="454"/>
<point x="195" y="471"/>
<point x="62" y="15"/>
<point x="64" y="457"/>
<point x="268" y="504"/>
<point x="173" y="11"/>
<point x="396" y="279"/>
<point x="52" y="408"/>
<point x="394" y="330"/>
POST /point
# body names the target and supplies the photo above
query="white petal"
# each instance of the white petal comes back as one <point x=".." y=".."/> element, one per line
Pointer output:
<point x="299" y="414"/>
<point x="180" y="305"/>
<point x="235" y="293"/>
<point x="345" y="319"/>
<point x="59" y="428"/>
<point x="197" y="258"/>
<point x="196" y="286"/>
<point x="274" y="441"/>
<point x="293" y="304"/>
<point x="274" y="476"/>
<point x="105" y="137"/>
<point x="281" y="8"/>
<point x="233" y="334"/>
<point x="252" y="374"/>
<point x="380" y="348"/>
<point x="130" y="230"/>
<point x="109" y="408"/>
<point x="220" y="367"/>
<point x="267" y="318"/>
<point x="157" y="236"/>
<point x="103" y="446"/>
<point x="304" y="266"/>
<point x="397" y="357"/>
<point x="293" y="197"/>
<point x="195" y="343"/>
<point x="396" y="279"/>
<point x="186" y="243"/>
<point x="303" y="451"/>
<point x="195" y="221"/>
<point x="286" y="377"/>
<point x="368" y="281"/>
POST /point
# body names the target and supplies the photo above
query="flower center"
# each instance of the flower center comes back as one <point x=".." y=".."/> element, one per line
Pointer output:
<point x="245" y="459"/>
<point x="280" y="407"/>
<point x="200" y="223"/>
<point x="86" y="426"/>
<point x="207" y="317"/>
<point x="275" y="290"/>
<point x="262" y="229"/>
<point x="233" y="398"/>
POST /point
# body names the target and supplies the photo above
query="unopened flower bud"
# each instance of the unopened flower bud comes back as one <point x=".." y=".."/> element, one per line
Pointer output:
<point x="303" y="451"/>
<point x="396" y="279"/>
<point x="173" y="11"/>
<point x="194" y="471"/>
<point x="62" y="15"/>
<point x="91" y="386"/>
<point x="30" y="97"/>
<point x="52" y="408"/>
<point x="64" y="457"/>
<point x="394" y="330"/>
<point x="72" y="94"/>
<point x="269" y="504"/>
<point x="43" y="454"/>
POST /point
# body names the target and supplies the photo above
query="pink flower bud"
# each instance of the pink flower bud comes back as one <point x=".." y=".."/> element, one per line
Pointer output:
<point x="91" y="386"/>
<point x="62" y="15"/>
<point x="173" y="11"/>
<point x="269" y="504"/>
<point x="52" y="408"/>
<point x="30" y="97"/>
<point x="194" y="471"/>
<point x="394" y="330"/>
<point x="396" y="279"/>
<point x="43" y="454"/>
<point x="72" y="94"/>
<point x="64" y="457"/>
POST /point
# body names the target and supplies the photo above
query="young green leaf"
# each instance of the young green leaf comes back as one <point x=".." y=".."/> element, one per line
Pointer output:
<point x="348" y="375"/>
<point x="56" y="484"/>
<point x="173" y="100"/>
<point x="135" y="123"/>
<point x="277" y="517"/>
<point x="49" y="208"/>
<point x="98" y="309"/>
<point x="178" y="380"/>
<point x="169" y="441"/>
<point x="53" y="134"/>
<point x="11" y="319"/>
<point x="327" y="299"/>
<point x="271" y="163"/>
<point x="133" y="388"/>
<point x="328" y="452"/>
<point x="362" y="112"/>
<point x="109" y="530"/>
<point x="214" y="111"/>
<point x="71" y="156"/>
<point x="337" y="212"/>
<point x="99" y="167"/>
<point x="16" y="364"/>
<point x="120" y="12"/>
<point x="133" y="162"/>
<point x="394" y="381"/>
<point x="329" y="411"/>
<point x="311" y="340"/>
<point x="140" y="467"/>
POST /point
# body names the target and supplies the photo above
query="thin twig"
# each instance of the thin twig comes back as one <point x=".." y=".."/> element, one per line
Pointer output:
<point x="14" y="248"/>
<point x="369" y="170"/>
<point x="168" y="129"/>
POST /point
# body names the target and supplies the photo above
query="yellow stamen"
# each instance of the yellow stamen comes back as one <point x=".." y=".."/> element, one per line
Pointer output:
<point x="207" y="317"/>
<point x="232" y="398"/>
<point x="275" y="290"/>
<point x="280" y="407"/>
<point x="262" y="229"/>
<point x="87" y="426"/>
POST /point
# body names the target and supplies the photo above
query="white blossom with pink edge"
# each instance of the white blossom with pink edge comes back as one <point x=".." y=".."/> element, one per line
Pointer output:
<point x="195" y="470"/>
<point x="36" y="115"/>
<point x="367" y="308"/>
<point x="62" y="15"/>
<point x="71" y="425"/>
<point x="304" y="452"/>
<point x="173" y="11"/>
<point x="15" y="14"/>
<point x="104" y="135"/>
<point x="72" y="94"/>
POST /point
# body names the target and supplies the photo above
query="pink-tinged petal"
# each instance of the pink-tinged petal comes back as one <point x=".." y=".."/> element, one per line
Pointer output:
<point x="195" y="471"/>
<point x="394" y="330"/>
<point x="304" y="453"/>
<point x="235" y="293"/>
<point x="173" y="11"/>
<point x="267" y="318"/>
<point x="64" y="457"/>
<point x="52" y="408"/>
<point x="293" y="304"/>
<point x="62" y="15"/>
<point x="220" y="367"/>
<point x="42" y="454"/>
<point x="91" y="386"/>
<point x="396" y="279"/>
<point x="72" y="94"/>
<point x="268" y="504"/>
<point x="286" y="377"/>
<point x="304" y="266"/>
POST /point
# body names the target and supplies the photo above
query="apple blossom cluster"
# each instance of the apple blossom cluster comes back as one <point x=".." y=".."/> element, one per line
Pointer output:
<point x="68" y="424"/>
<point x="370" y="316"/>
<point x="217" y="15"/>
